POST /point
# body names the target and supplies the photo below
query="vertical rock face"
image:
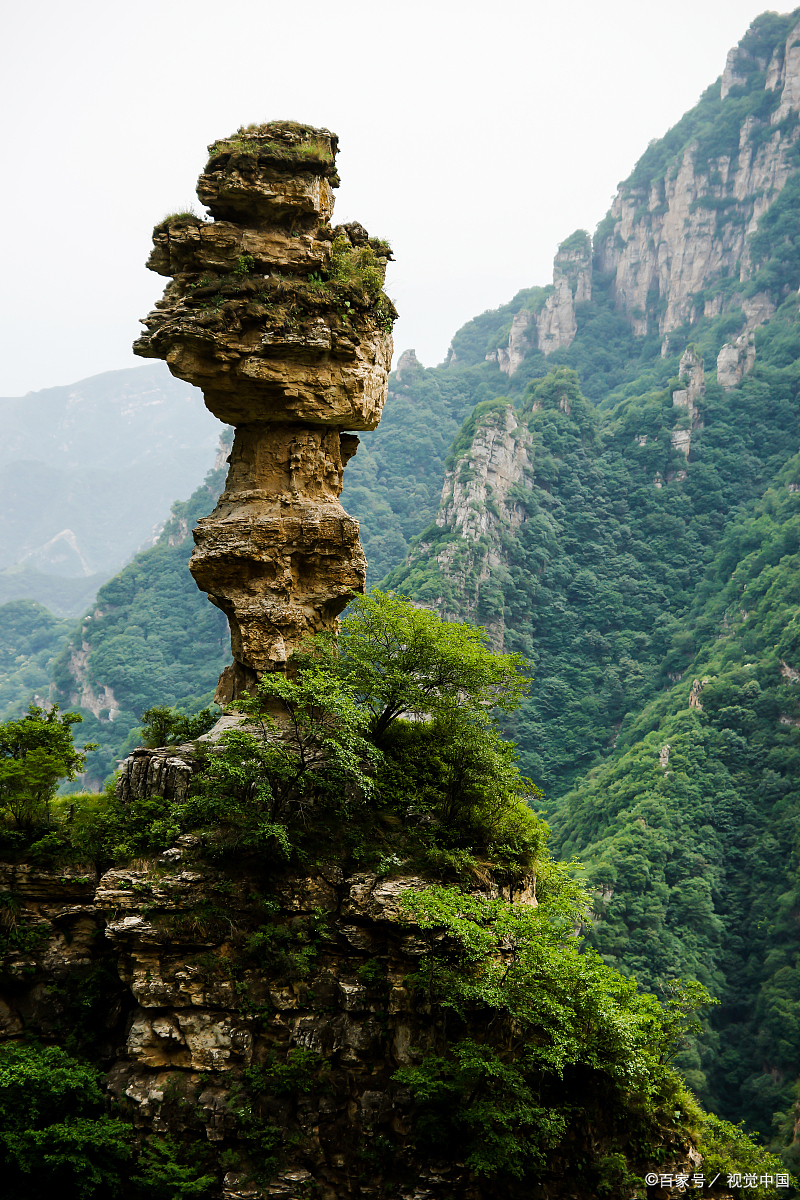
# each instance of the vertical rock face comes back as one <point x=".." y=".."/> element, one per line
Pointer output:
<point x="554" y="326"/>
<point x="692" y="373"/>
<point x="478" y="504"/>
<point x="509" y="357"/>
<point x="735" y="360"/>
<point x="282" y="321"/>
<point x="675" y="232"/>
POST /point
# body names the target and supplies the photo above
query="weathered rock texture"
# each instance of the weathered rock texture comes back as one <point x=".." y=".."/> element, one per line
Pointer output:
<point x="692" y="374"/>
<point x="554" y="325"/>
<point x="189" y="972"/>
<point x="199" y="969"/>
<point x="735" y="360"/>
<point x="671" y="239"/>
<point x="282" y="321"/>
<point x="675" y="239"/>
<point x="478" y="505"/>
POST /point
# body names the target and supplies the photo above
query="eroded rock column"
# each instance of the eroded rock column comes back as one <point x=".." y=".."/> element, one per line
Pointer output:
<point x="282" y="321"/>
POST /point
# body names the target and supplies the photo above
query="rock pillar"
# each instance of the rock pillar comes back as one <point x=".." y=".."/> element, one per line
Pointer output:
<point x="282" y="321"/>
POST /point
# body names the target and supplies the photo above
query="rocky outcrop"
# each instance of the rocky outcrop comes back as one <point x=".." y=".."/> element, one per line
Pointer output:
<point x="406" y="362"/>
<point x="692" y="373"/>
<point x="735" y="360"/>
<point x="199" y="972"/>
<point x="509" y="357"/>
<point x="479" y="506"/>
<point x="282" y="321"/>
<point x="554" y="325"/>
<point x="672" y="237"/>
<point x="55" y="962"/>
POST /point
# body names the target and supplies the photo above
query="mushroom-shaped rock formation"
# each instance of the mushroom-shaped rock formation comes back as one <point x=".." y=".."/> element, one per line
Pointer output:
<point x="282" y="320"/>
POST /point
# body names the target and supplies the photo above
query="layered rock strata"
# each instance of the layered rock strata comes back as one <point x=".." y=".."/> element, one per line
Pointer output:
<point x="281" y="319"/>
<point x="256" y="1016"/>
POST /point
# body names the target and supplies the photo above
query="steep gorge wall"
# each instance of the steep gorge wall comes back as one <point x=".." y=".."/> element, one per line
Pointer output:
<point x="676" y="241"/>
<point x="478" y="510"/>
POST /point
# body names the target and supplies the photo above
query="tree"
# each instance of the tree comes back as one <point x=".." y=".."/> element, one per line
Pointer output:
<point x="55" y="1138"/>
<point x="263" y="778"/>
<point x="165" y="726"/>
<point x="37" y="751"/>
<point x="404" y="661"/>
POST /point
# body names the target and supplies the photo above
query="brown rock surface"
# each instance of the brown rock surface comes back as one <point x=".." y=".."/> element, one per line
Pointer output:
<point x="282" y="321"/>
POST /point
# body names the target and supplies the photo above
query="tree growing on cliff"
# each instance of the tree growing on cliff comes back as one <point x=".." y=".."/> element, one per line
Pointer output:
<point x="36" y="751"/>
<point x="405" y="661"/>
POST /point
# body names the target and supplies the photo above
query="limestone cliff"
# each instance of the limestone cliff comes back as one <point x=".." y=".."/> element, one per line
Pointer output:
<point x="553" y="325"/>
<point x="258" y="1015"/>
<point x="181" y="1012"/>
<point x="691" y="372"/>
<point x="477" y="509"/>
<point x="677" y="243"/>
<point x="677" y="235"/>
<point x="282" y="321"/>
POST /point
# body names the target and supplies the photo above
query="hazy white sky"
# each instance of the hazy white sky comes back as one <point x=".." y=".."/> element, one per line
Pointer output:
<point x="475" y="136"/>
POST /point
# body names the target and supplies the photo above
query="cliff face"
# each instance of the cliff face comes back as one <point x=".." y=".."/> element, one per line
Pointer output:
<point x="676" y="244"/>
<point x="281" y="320"/>
<point x="553" y="326"/>
<point x="478" y="510"/>
<point x="259" y="1015"/>
<point x="674" y="231"/>
<point x="187" y="971"/>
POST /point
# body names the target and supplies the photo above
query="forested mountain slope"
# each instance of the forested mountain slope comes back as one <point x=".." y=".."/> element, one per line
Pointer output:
<point x="86" y="473"/>
<point x="642" y="550"/>
<point x="151" y="638"/>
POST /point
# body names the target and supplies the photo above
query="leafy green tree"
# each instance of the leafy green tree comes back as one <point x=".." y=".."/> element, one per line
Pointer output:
<point x="457" y="771"/>
<point x="55" y="1138"/>
<point x="310" y="746"/>
<point x="164" y="1174"/>
<point x="165" y="726"/>
<point x="302" y="745"/>
<point x="36" y="751"/>
<point x="405" y="661"/>
<point x="550" y="1036"/>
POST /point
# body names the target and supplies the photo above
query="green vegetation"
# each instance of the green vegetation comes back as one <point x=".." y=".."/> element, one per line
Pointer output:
<point x="355" y="265"/>
<point x="406" y="752"/>
<point x="544" y="1039"/>
<point x="163" y="726"/>
<point x="258" y="141"/>
<point x="694" y="854"/>
<point x="655" y="595"/>
<point x="154" y="634"/>
<point x="30" y="639"/>
<point x="36" y="752"/>
<point x="56" y="1138"/>
<point x="54" y="1134"/>
<point x="181" y="216"/>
